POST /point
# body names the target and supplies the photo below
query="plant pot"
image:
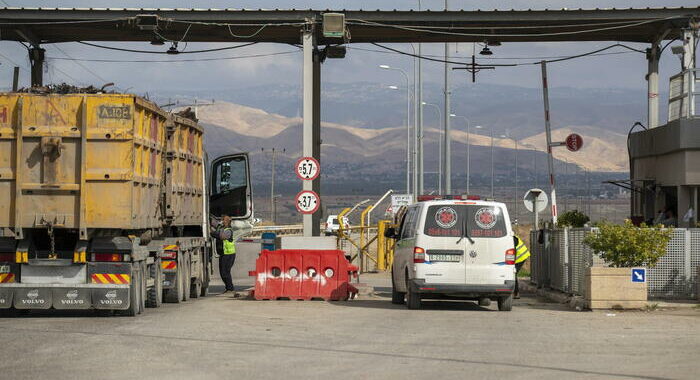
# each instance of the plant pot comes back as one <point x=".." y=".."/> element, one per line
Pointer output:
<point x="614" y="288"/>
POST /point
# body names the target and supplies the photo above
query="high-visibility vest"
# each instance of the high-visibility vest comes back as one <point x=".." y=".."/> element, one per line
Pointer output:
<point x="521" y="251"/>
<point x="229" y="245"/>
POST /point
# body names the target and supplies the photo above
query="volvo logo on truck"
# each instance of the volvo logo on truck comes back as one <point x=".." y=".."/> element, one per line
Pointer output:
<point x="111" y="298"/>
<point x="33" y="298"/>
<point x="72" y="298"/>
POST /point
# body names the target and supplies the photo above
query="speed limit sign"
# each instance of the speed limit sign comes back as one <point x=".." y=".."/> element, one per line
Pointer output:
<point x="308" y="202"/>
<point x="307" y="168"/>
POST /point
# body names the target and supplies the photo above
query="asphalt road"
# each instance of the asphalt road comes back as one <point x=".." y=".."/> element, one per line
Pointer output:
<point x="220" y="337"/>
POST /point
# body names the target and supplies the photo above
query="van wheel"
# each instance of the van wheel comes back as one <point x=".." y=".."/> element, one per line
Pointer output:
<point x="397" y="298"/>
<point x="413" y="301"/>
<point x="505" y="303"/>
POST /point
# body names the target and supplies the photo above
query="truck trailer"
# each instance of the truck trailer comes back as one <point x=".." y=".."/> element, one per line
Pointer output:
<point x="106" y="203"/>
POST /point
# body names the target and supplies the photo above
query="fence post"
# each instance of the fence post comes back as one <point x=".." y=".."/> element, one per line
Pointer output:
<point x="686" y="262"/>
<point x="567" y="266"/>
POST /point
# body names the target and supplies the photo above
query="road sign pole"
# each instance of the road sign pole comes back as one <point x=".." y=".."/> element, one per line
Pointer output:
<point x="312" y="121"/>
<point x="548" y="130"/>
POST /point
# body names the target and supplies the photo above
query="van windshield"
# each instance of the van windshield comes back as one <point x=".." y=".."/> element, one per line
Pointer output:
<point x="481" y="221"/>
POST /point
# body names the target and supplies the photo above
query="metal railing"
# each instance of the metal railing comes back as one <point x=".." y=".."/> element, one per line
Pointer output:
<point x="560" y="259"/>
<point x="682" y="95"/>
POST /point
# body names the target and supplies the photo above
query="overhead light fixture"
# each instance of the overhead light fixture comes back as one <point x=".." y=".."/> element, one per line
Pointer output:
<point x="335" y="51"/>
<point x="173" y="50"/>
<point x="486" y="51"/>
<point x="333" y="25"/>
<point x="493" y="43"/>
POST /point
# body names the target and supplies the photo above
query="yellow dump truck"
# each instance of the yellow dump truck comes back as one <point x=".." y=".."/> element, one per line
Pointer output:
<point x="105" y="203"/>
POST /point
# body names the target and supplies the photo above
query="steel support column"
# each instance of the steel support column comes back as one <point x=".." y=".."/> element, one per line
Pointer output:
<point x="312" y="122"/>
<point x="653" y="55"/>
<point x="36" y="58"/>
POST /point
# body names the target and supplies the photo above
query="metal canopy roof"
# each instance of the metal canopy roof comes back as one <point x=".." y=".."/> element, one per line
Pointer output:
<point x="48" y="25"/>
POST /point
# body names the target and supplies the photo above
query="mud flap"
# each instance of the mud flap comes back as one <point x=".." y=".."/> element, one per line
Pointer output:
<point x="71" y="298"/>
<point x="32" y="298"/>
<point x="111" y="298"/>
<point x="6" y="296"/>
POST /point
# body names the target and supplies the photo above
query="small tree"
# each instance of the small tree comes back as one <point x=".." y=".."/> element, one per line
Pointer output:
<point x="629" y="246"/>
<point x="573" y="218"/>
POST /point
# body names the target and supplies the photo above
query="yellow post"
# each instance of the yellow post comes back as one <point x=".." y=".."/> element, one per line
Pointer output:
<point x="381" y="245"/>
<point x="364" y="228"/>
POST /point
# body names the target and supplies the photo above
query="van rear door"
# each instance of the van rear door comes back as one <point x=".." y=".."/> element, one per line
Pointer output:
<point x="476" y="232"/>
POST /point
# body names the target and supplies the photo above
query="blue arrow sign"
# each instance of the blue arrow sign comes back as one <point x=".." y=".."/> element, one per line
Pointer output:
<point x="639" y="275"/>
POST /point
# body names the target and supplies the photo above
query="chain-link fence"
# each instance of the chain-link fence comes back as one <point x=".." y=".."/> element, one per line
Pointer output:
<point x="560" y="259"/>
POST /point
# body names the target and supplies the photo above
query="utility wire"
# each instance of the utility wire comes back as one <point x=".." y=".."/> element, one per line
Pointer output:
<point x="175" y="61"/>
<point x="81" y="65"/>
<point x="492" y="58"/>
<point x="512" y="64"/>
<point x="162" y="52"/>
<point x="496" y="36"/>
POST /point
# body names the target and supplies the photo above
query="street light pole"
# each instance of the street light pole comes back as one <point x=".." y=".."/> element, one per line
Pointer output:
<point x="408" y="124"/>
<point x="437" y="108"/>
<point x="446" y="159"/>
<point x="467" y="166"/>
<point x="492" y="166"/>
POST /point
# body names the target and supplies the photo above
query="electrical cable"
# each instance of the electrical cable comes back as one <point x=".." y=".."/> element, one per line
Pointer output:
<point x="175" y="61"/>
<point x="490" y="58"/>
<point x="249" y="36"/>
<point x="623" y="23"/>
<point x="65" y="22"/>
<point x="512" y="64"/>
<point x="163" y="52"/>
<point x="496" y="36"/>
<point x="103" y="80"/>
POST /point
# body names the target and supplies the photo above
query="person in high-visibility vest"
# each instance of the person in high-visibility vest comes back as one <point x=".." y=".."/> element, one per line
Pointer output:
<point x="521" y="254"/>
<point x="227" y="252"/>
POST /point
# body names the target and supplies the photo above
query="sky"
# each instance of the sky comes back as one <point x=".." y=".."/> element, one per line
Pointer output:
<point x="625" y="70"/>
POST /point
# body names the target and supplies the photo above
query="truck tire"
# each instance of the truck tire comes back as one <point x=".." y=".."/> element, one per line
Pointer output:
<point x="143" y="294"/>
<point x="205" y="274"/>
<point x="397" y="298"/>
<point x="154" y="297"/>
<point x="413" y="299"/>
<point x="187" y="280"/>
<point x="505" y="303"/>
<point x="174" y="295"/>
<point x="134" y="290"/>
<point x="196" y="284"/>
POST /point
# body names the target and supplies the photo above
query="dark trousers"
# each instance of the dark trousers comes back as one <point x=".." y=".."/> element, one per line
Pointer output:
<point x="517" y="269"/>
<point x="225" y="266"/>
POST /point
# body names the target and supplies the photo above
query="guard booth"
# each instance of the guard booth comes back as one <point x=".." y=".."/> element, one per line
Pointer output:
<point x="665" y="161"/>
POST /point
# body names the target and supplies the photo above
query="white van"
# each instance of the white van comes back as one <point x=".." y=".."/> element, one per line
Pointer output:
<point x="454" y="249"/>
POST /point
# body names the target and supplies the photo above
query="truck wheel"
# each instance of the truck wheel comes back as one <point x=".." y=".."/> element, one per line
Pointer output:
<point x="205" y="277"/>
<point x="187" y="280"/>
<point x="133" y="309"/>
<point x="413" y="301"/>
<point x="154" y="297"/>
<point x="174" y="295"/>
<point x="505" y="303"/>
<point x="142" y="290"/>
<point x="196" y="284"/>
<point x="397" y="298"/>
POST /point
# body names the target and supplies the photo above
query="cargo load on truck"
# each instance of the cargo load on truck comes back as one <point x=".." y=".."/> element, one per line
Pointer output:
<point x="105" y="198"/>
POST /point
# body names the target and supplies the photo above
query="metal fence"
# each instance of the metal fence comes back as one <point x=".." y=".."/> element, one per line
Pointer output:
<point x="560" y="259"/>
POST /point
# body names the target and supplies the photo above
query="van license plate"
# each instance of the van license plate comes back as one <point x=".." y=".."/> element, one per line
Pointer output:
<point x="4" y="269"/>
<point x="447" y="258"/>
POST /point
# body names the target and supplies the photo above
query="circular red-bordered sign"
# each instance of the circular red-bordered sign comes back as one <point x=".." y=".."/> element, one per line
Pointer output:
<point x="307" y="168"/>
<point x="307" y="202"/>
<point x="574" y="142"/>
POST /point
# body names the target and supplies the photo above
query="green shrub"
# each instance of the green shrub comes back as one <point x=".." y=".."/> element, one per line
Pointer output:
<point x="629" y="246"/>
<point x="573" y="218"/>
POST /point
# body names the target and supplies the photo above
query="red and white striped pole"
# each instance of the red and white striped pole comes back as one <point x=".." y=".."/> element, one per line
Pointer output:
<point x="548" y="130"/>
